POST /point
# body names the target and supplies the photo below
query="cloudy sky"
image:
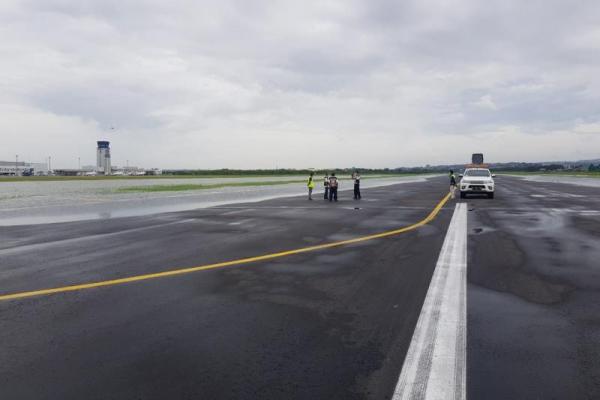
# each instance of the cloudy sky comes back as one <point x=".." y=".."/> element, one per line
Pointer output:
<point x="260" y="84"/>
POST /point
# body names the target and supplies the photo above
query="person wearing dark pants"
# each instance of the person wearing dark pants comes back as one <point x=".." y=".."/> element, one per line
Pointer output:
<point x="311" y="185"/>
<point x="326" y="185"/>
<point x="356" y="179"/>
<point x="452" y="184"/>
<point x="333" y="187"/>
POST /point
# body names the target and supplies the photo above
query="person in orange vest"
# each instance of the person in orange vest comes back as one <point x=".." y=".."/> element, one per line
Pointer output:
<point x="333" y="187"/>
<point x="311" y="185"/>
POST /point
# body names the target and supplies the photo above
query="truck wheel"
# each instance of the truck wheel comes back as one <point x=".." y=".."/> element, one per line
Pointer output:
<point x="491" y="195"/>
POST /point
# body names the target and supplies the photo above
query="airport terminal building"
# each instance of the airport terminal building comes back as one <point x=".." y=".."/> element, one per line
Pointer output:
<point x="21" y="168"/>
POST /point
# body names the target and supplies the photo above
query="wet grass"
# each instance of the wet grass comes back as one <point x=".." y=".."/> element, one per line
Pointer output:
<point x="113" y="177"/>
<point x="186" y="187"/>
<point x="165" y="177"/>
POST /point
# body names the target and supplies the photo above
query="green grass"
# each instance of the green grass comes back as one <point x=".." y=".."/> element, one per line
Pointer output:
<point x="184" y="187"/>
<point x="187" y="187"/>
<point x="112" y="177"/>
<point x="166" y="177"/>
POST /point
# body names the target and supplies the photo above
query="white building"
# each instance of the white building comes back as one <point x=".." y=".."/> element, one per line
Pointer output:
<point x="131" y="170"/>
<point x="22" y="168"/>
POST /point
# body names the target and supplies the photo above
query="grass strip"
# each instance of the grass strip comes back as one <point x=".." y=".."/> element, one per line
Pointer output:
<point x="119" y="177"/>
<point x="185" y="187"/>
<point x="167" y="177"/>
<point x="188" y="187"/>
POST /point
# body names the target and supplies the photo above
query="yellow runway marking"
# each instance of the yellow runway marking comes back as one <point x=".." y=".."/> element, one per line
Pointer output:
<point x="182" y="271"/>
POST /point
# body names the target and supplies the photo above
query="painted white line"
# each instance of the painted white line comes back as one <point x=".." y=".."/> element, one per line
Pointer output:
<point x="237" y="211"/>
<point x="244" y="221"/>
<point x="435" y="365"/>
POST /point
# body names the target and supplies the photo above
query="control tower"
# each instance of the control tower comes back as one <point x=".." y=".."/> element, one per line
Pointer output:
<point x="103" y="158"/>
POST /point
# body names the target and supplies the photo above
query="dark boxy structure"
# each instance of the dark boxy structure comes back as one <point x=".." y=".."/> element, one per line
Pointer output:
<point x="477" y="158"/>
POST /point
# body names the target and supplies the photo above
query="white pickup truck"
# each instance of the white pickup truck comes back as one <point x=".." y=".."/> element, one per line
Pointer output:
<point x="477" y="181"/>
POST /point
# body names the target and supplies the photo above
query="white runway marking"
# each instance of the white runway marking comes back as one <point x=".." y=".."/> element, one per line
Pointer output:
<point x="244" y="221"/>
<point x="237" y="211"/>
<point x="435" y="365"/>
<point x="559" y="195"/>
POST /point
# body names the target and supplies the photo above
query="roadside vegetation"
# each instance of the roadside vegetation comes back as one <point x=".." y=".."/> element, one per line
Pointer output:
<point x="291" y="172"/>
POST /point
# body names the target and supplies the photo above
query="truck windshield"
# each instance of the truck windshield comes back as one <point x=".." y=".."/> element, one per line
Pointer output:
<point x="477" y="172"/>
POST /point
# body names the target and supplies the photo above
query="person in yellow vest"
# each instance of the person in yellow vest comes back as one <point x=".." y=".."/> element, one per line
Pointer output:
<point x="311" y="185"/>
<point x="452" y="184"/>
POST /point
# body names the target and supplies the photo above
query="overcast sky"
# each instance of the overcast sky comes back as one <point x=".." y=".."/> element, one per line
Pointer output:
<point x="260" y="84"/>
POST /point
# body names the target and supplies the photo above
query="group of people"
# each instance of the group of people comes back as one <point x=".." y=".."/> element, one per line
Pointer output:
<point x="331" y="185"/>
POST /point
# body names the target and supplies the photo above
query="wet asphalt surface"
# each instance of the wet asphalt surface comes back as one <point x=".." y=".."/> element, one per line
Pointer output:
<point x="534" y="292"/>
<point x="39" y="202"/>
<point x="332" y="324"/>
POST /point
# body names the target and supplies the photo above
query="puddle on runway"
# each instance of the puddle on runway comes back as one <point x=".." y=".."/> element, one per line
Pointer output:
<point x="54" y="202"/>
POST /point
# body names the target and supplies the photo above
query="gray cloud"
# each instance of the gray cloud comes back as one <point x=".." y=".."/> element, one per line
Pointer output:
<point x="259" y="84"/>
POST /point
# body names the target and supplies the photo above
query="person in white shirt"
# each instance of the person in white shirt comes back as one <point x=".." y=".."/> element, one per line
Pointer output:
<point x="333" y="187"/>
<point x="356" y="179"/>
<point x="326" y="185"/>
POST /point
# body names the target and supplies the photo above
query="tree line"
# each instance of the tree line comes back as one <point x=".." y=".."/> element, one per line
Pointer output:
<point x="289" y="171"/>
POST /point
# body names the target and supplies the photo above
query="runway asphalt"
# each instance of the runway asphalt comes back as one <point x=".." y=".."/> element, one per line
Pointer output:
<point x="534" y="292"/>
<point x="329" y="324"/>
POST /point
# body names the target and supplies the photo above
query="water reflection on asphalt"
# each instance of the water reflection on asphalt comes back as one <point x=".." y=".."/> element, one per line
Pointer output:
<point x="570" y="180"/>
<point x="37" y="202"/>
